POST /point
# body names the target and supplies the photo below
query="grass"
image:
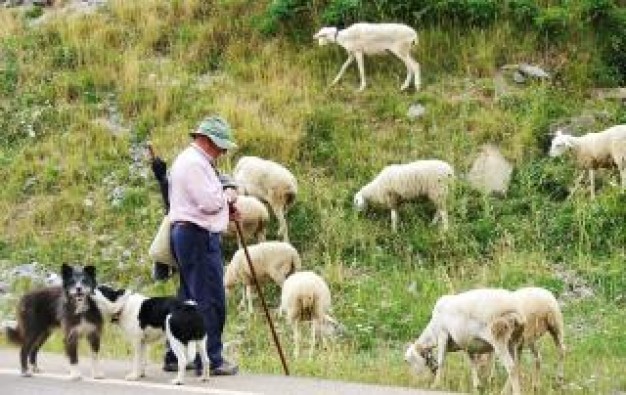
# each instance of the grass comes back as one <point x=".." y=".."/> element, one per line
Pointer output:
<point x="76" y="192"/>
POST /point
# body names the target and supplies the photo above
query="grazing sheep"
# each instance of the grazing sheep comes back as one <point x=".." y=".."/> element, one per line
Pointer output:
<point x="399" y="183"/>
<point x="543" y="314"/>
<point x="374" y="38"/>
<point x="594" y="151"/>
<point x="490" y="172"/>
<point x="254" y="219"/>
<point x="305" y="297"/>
<point x="476" y="321"/>
<point x="272" y="260"/>
<point x="269" y="182"/>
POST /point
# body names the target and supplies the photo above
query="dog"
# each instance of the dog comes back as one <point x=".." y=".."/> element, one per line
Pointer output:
<point x="148" y="319"/>
<point x="69" y="306"/>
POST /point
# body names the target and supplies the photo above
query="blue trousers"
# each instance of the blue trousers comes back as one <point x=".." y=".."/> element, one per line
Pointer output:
<point x="199" y="256"/>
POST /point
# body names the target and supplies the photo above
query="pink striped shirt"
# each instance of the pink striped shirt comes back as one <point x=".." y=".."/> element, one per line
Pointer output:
<point x="196" y="194"/>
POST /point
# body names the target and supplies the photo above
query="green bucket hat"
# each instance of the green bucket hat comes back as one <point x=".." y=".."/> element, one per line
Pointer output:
<point x="218" y="130"/>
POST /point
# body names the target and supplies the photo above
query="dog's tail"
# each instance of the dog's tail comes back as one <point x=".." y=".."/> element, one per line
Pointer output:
<point x="13" y="332"/>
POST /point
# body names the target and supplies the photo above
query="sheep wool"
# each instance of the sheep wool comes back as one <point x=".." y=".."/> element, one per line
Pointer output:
<point x="399" y="183"/>
<point x="305" y="296"/>
<point x="254" y="219"/>
<point x="270" y="182"/>
<point x="272" y="261"/>
<point x="594" y="151"/>
<point x="362" y="39"/>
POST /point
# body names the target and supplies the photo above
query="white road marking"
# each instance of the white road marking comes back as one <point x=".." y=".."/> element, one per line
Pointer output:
<point x="142" y="384"/>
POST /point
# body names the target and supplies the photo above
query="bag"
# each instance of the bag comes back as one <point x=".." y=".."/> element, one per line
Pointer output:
<point x="160" y="249"/>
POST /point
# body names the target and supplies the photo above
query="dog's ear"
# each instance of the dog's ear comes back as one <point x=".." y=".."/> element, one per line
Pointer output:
<point x="90" y="270"/>
<point x="66" y="271"/>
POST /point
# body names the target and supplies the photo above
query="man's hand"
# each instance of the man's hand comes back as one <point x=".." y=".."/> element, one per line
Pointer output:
<point x="233" y="213"/>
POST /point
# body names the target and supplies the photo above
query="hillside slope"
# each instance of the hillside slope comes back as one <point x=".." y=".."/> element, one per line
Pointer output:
<point x="80" y="94"/>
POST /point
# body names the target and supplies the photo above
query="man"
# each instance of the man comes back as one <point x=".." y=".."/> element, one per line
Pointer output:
<point x="199" y="213"/>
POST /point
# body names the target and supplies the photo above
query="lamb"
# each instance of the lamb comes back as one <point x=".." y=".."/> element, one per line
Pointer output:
<point x="543" y="314"/>
<point x="374" y="38"/>
<point x="305" y="297"/>
<point x="254" y="219"/>
<point x="594" y="151"/>
<point x="272" y="260"/>
<point x="270" y="182"/>
<point x="477" y="321"/>
<point x="398" y="183"/>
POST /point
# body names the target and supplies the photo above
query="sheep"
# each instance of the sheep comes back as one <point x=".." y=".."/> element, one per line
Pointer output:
<point x="477" y="321"/>
<point x="272" y="260"/>
<point x="594" y="151"/>
<point x="543" y="314"/>
<point x="254" y="219"/>
<point x="270" y="182"/>
<point x="306" y="297"/>
<point x="398" y="183"/>
<point x="374" y="38"/>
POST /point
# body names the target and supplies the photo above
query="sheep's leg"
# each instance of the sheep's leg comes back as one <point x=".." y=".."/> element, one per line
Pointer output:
<point x="473" y="361"/>
<point x="442" y="342"/>
<point x="557" y="336"/>
<point x="249" y="297"/>
<point x="343" y="68"/>
<point x="592" y="183"/>
<point x="511" y="368"/>
<point x="537" y="356"/>
<point x="279" y="212"/>
<point x="622" y="173"/>
<point x="576" y="184"/>
<point x="409" y="69"/>
<point x="416" y="72"/>
<point x="360" y="63"/>
<point x="296" y="340"/>
<point x="394" y="219"/>
<point x="314" y="327"/>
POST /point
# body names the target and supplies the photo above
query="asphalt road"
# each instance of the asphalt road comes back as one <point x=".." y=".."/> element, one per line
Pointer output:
<point x="53" y="381"/>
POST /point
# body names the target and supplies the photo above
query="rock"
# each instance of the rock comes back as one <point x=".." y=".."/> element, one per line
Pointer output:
<point x="533" y="71"/>
<point x="416" y="110"/>
<point x="490" y="172"/>
<point x="519" y="77"/>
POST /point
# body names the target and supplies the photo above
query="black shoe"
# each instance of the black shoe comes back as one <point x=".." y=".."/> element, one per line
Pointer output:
<point x="173" y="366"/>
<point x="225" y="369"/>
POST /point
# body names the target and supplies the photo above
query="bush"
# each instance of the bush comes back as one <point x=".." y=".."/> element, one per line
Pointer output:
<point x="553" y="22"/>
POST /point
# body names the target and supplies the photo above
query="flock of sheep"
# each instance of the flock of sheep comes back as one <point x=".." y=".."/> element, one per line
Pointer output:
<point x="481" y="322"/>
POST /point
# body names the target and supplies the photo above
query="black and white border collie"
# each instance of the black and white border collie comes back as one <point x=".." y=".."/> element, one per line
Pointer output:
<point x="70" y="307"/>
<point x="148" y="319"/>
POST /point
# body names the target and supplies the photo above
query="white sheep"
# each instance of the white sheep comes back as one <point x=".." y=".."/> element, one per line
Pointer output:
<point x="272" y="260"/>
<point x="374" y="38"/>
<point x="254" y="219"/>
<point x="270" y="182"/>
<point x="543" y="314"/>
<point x="477" y="321"/>
<point x="399" y="183"/>
<point x="306" y="297"/>
<point x="594" y="151"/>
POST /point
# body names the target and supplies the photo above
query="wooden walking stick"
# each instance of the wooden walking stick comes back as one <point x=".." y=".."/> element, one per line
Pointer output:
<point x="260" y="292"/>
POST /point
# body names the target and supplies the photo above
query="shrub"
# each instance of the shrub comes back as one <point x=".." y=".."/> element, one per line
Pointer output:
<point x="553" y="22"/>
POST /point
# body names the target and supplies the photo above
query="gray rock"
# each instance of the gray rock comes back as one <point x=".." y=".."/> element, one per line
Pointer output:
<point x="519" y="77"/>
<point x="533" y="71"/>
<point x="416" y="110"/>
<point x="490" y="172"/>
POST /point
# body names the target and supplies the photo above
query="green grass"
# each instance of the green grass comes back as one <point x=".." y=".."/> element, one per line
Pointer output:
<point x="162" y="66"/>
